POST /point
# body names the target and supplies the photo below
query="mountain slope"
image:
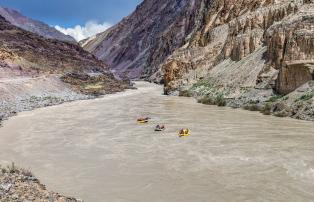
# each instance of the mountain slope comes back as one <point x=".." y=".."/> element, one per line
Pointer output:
<point x="36" y="72"/>
<point x="248" y="51"/>
<point x="35" y="53"/>
<point x="40" y="28"/>
<point x="140" y="42"/>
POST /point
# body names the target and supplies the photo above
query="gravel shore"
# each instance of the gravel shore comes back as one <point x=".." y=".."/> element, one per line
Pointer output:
<point x="20" y="185"/>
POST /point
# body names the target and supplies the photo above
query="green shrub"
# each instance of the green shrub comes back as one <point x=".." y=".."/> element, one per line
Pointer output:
<point x="306" y="97"/>
<point x="12" y="168"/>
<point x="252" y="107"/>
<point x="203" y="83"/>
<point x="220" y="101"/>
<point x="206" y="100"/>
<point x="282" y="113"/>
<point x="266" y="109"/>
<point x="185" y="93"/>
<point x="274" y="98"/>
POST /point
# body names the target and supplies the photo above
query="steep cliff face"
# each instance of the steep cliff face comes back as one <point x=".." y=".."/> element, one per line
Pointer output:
<point x="139" y="43"/>
<point x="232" y="31"/>
<point x="291" y="49"/>
<point x="247" y="52"/>
<point x="37" y="27"/>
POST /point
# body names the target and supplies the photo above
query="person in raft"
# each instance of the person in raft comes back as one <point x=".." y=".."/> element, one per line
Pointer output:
<point x="143" y="119"/>
<point x="160" y="128"/>
<point x="184" y="132"/>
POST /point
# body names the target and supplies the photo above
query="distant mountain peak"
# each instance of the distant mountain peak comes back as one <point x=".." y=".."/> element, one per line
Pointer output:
<point x="31" y="25"/>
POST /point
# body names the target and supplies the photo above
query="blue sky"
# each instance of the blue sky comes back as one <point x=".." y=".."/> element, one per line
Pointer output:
<point x="70" y="13"/>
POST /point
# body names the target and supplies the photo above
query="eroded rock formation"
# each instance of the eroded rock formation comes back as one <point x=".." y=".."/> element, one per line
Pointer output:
<point x="244" y="25"/>
<point x="291" y="49"/>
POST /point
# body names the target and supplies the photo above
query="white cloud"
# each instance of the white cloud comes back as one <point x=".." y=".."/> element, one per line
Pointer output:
<point x="78" y="32"/>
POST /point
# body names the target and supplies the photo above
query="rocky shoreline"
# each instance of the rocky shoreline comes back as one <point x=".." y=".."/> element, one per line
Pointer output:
<point x="19" y="185"/>
<point x="298" y="104"/>
<point x="9" y="109"/>
<point x="55" y="91"/>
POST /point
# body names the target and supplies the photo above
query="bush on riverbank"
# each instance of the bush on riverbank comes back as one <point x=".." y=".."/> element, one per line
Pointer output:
<point x="185" y="93"/>
<point x="266" y="109"/>
<point x="209" y="100"/>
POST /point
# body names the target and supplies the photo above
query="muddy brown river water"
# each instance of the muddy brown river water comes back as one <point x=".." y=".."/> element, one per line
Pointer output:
<point x="96" y="151"/>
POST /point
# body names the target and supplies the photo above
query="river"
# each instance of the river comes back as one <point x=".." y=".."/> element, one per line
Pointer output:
<point x="96" y="151"/>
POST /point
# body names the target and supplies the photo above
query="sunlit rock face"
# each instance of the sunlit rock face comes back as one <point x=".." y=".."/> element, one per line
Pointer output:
<point x="231" y="31"/>
<point x="291" y="49"/>
<point x="285" y="28"/>
<point x="178" y="43"/>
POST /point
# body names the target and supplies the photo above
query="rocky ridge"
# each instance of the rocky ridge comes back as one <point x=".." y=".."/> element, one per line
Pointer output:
<point x="140" y="42"/>
<point x="31" y="68"/>
<point x="34" y="26"/>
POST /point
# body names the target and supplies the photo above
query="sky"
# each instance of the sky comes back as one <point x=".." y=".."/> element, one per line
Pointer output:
<point x="79" y="18"/>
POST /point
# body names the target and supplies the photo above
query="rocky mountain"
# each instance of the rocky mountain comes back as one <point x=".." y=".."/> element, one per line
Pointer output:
<point x="28" y="24"/>
<point x="256" y="54"/>
<point x="34" y="53"/>
<point x="35" y="71"/>
<point x="140" y="42"/>
<point x="248" y="51"/>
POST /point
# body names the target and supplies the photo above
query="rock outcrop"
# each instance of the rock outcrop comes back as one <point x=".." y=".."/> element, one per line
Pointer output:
<point x="247" y="52"/>
<point x="20" y="185"/>
<point x="291" y="49"/>
<point x="243" y="25"/>
<point x="35" y="26"/>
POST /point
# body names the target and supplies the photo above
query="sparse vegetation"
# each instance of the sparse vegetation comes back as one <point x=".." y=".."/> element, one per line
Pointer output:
<point x="282" y="113"/>
<point x="17" y="184"/>
<point x="220" y="100"/>
<point x="209" y="100"/>
<point x="252" y="107"/>
<point x="306" y="97"/>
<point x="185" y="93"/>
<point x="275" y="98"/>
<point x="12" y="168"/>
<point x="203" y="83"/>
<point x="266" y="109"/>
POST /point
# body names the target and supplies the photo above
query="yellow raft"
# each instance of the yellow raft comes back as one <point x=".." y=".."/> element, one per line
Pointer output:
<point x="184" y="133"/>
<point x="142" y="121"/>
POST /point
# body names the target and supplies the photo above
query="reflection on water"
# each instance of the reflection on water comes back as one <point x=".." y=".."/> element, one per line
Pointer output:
<point x="94" y="150"/>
